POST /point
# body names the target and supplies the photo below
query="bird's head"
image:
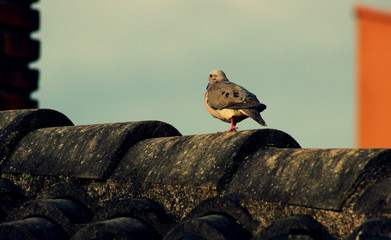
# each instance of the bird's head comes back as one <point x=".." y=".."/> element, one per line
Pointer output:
<point x="216" y="76"/>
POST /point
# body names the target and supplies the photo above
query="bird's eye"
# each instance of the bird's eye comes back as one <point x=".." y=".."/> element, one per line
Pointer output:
<point x="210" y="75"/>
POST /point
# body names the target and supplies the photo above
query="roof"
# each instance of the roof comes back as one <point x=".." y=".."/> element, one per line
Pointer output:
<point x="144" y="180"/>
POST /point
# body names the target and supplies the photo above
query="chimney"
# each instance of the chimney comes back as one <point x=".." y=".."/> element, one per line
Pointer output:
<point x="373" y="78"/>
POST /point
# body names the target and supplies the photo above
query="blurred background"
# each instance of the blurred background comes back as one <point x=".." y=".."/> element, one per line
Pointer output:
<point x="118" y="61"/>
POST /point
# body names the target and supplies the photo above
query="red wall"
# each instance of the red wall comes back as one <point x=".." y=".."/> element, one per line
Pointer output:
<point x="17" y="50"/>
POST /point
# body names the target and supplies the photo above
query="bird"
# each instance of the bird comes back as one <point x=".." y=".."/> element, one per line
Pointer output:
<point x="230" y="102"/>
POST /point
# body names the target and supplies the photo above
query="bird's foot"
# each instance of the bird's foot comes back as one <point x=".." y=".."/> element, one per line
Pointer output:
<point x="232" y="129"/>
<point x="233" y="126"/>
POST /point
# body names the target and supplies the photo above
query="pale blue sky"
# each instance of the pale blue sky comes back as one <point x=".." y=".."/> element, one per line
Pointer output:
<point x="117" y="61"/>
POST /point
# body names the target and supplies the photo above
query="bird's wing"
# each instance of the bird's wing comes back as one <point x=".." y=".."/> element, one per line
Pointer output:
<point x="232" y="96"/>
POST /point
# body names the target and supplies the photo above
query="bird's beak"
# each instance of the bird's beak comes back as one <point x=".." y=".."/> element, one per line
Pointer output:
<point x="207" y="85"/>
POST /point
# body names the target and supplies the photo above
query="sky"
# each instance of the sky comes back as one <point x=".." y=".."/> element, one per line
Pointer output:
<point x="120" y="61"/>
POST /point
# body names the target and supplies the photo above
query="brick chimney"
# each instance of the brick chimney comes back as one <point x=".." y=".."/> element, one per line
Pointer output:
<point x="373" y="77"/>
<point x="17" y="49"/>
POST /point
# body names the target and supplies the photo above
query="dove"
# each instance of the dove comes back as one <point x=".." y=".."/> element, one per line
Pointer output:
<point x="230" y="102"/>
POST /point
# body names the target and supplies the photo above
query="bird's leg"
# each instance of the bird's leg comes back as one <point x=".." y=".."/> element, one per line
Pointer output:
<point x="233" y="127"/>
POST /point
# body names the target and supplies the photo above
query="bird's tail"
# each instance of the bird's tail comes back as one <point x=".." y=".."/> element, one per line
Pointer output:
<point x="260" y="120"/>
<point x="254" y="114"/>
